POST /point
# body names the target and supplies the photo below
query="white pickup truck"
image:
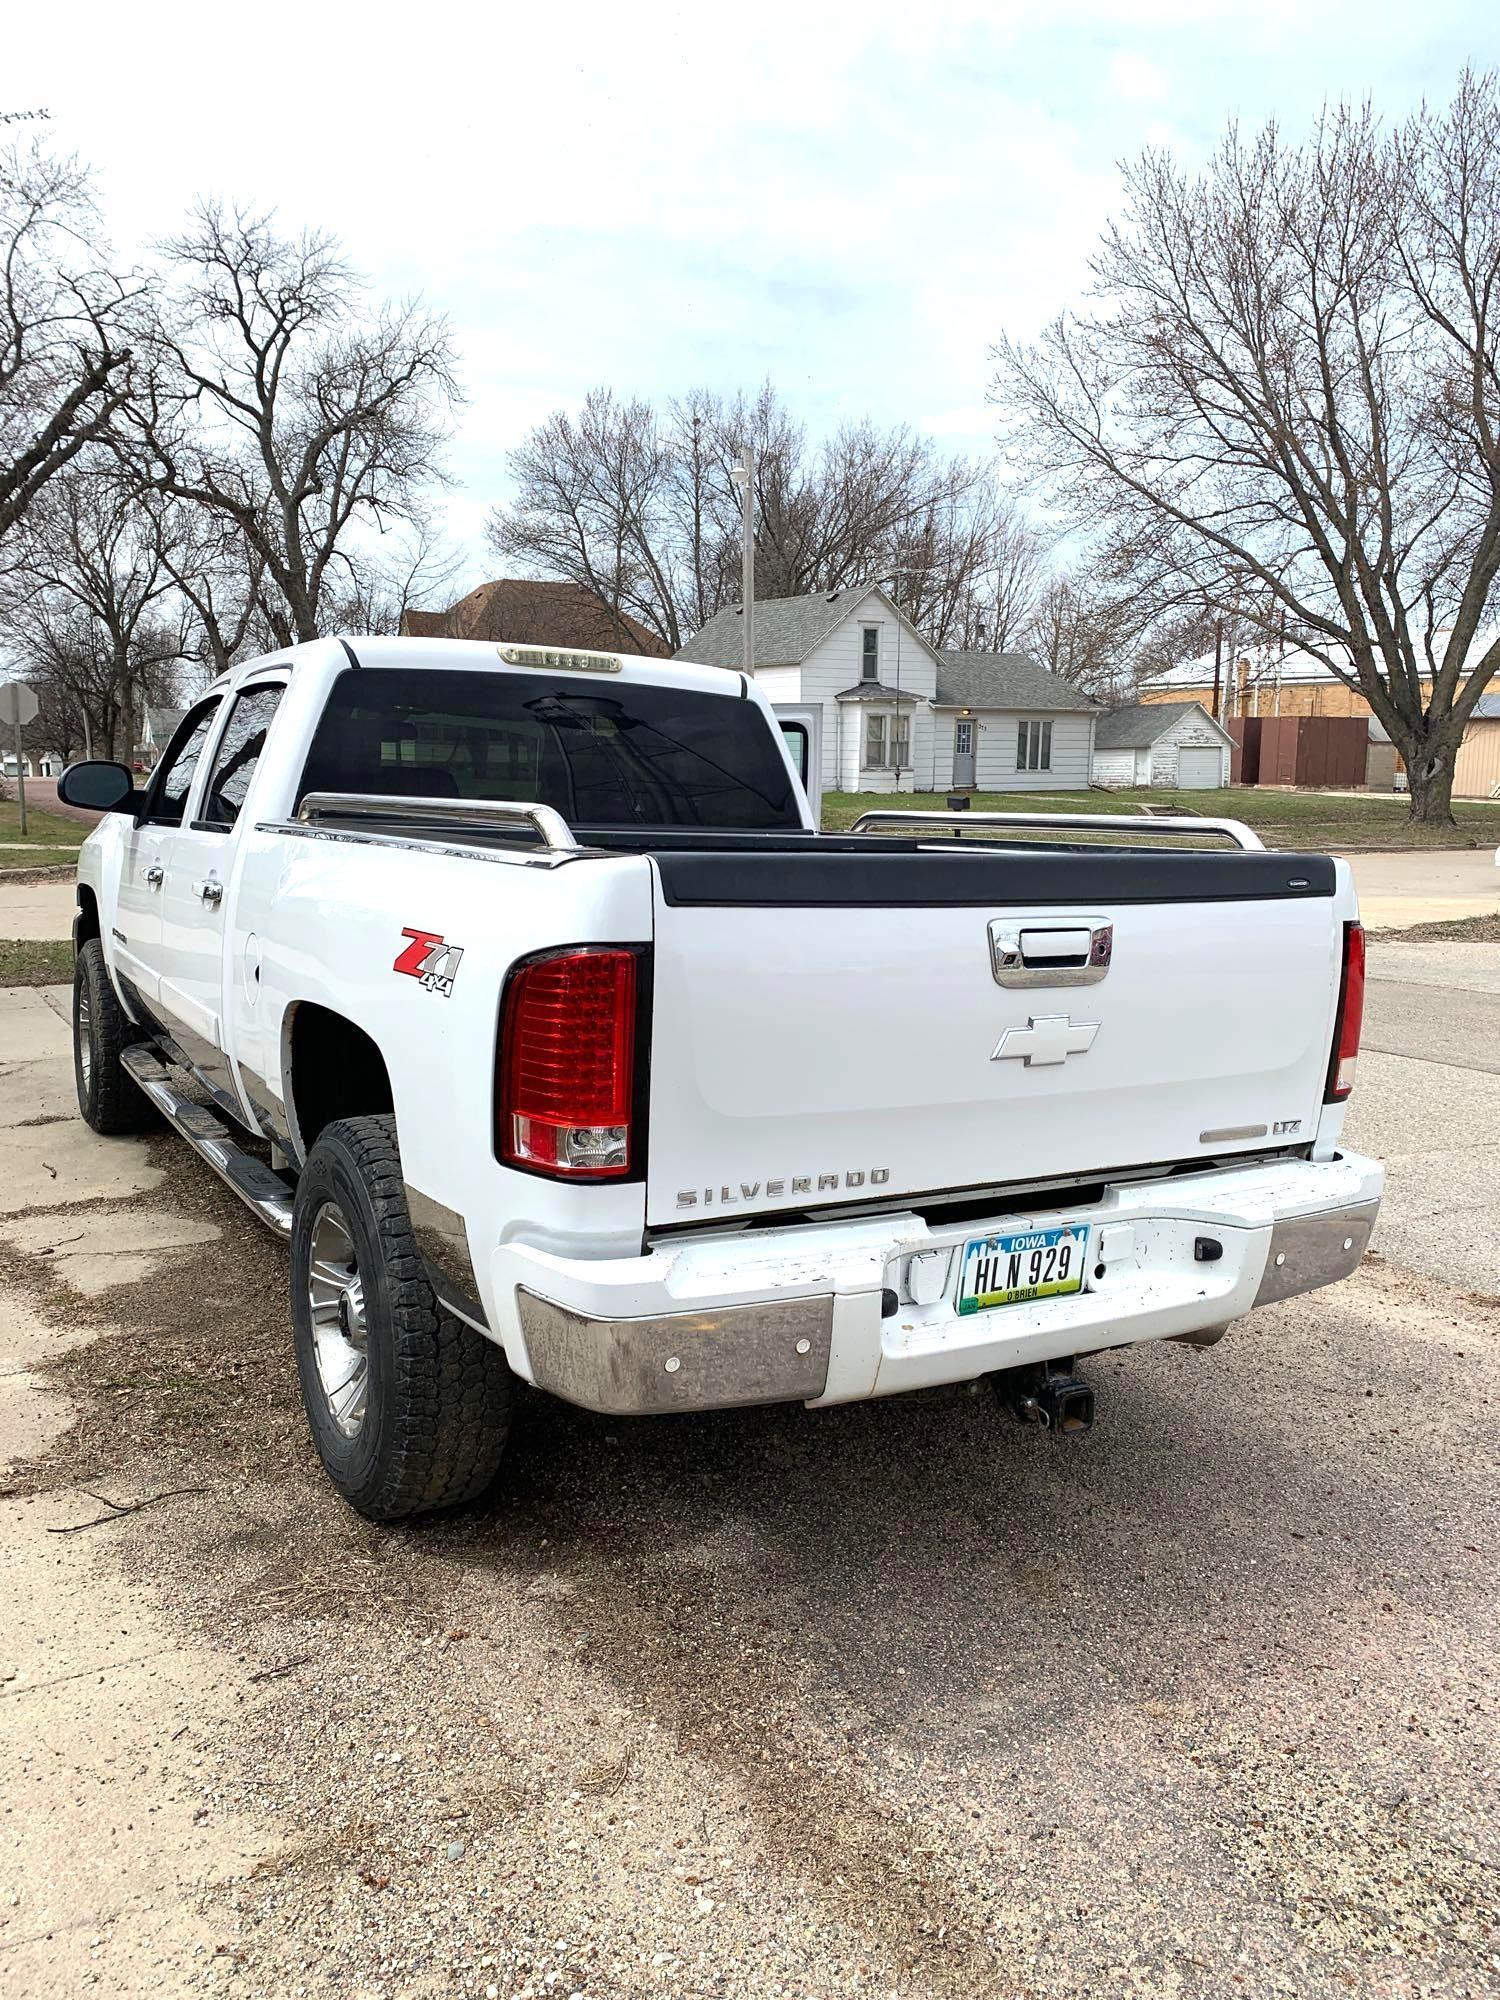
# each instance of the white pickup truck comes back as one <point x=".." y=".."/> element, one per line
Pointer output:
<point x="518" y="989"/>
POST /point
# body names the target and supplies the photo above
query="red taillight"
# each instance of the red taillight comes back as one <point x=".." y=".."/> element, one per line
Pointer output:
<point x="1351" y="1016"/>
<point x="566" y="1076"/>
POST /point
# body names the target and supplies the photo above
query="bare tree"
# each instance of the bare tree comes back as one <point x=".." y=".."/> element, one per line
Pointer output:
<point x="636" y="504"/>
<point x="64" y="331"/>
<point x="1087" y="633"/>
<point x="221" y="580"/>
<point x="283" y="403"/>
<point x="1288" y="404"/>
<point x="972" y="570"/>
<point x="383" y="584"/>
<point x="86" y="602"/>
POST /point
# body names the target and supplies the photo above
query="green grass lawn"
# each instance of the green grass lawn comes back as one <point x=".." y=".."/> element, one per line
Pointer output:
<point x="1282" y="819"/>
<point x="36" y="962"/>
<point x="43" y="829"/>
<point x="29" y="857"/>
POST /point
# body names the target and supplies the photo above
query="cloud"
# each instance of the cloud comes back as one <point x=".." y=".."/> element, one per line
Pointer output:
<point x="1135" y="78"/>
<point x="855" y="199"/>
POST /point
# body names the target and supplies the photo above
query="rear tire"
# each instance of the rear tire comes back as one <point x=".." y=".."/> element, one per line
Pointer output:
<point x="108" y="1096"/>
<point x="408" y="1405"/>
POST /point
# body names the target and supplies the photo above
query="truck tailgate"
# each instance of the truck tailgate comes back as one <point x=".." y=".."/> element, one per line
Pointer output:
<point x="825" y="1033"/>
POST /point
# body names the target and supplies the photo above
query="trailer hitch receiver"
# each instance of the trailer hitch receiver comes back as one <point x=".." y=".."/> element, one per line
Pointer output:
<point x="1049" y="1394"/>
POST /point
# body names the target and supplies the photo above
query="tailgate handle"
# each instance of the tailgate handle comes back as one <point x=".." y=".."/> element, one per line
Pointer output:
<point x="1062" y="951"/>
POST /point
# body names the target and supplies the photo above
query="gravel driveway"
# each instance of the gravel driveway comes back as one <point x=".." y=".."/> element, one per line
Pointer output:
<point x="896" y="1699"/>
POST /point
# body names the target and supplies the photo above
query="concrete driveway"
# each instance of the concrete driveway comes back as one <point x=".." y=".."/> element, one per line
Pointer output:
<point x="897" y="1699"/>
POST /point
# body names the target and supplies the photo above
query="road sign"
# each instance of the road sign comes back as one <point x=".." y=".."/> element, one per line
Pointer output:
<point x="18" y="704"/>
<point x="18" y="707"/>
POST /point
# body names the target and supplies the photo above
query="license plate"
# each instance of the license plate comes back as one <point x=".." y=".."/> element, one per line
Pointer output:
<point x="1032" y="1264"/>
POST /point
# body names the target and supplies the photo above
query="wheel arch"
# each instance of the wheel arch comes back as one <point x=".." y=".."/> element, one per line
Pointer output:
<point x="86" y="923"/>
<point x="333" y="1069"/>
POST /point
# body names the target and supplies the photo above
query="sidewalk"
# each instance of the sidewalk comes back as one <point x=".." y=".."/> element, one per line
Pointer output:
<point x="1425" y="887"/>
<point x="37" y="909"/>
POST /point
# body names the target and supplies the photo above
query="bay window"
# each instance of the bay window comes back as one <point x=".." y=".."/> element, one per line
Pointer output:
<point x="887" y="742"/>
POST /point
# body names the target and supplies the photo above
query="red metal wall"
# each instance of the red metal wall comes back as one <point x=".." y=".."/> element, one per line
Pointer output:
<point x="1324" y="750"/>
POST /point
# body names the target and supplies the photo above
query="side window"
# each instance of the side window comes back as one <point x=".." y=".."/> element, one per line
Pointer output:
<point x="174" y="775"/>
<point x="238" y="755"/>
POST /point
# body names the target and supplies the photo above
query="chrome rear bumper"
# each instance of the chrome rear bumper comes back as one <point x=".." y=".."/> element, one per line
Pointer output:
<point x="776" y="1352"/>
<point x="1312" y="1250"/>
<point x="832" y="1312"/>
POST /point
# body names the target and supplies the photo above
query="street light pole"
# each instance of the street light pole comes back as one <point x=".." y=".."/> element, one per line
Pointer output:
<point x="743" y="475"/>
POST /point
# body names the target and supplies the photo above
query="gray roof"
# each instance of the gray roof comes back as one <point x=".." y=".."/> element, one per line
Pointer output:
<point x="1138" y="727"/>
<point x="876" y="691"/>
<point x="1487" y="708"/>
<point x="1003" y="680"/>
<point x="786" y="629"/>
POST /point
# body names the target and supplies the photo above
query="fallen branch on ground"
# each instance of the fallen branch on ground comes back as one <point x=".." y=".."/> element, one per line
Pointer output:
<point x="120" y="1508"/>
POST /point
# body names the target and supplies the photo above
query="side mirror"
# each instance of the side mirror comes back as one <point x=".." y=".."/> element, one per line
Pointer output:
<point x="99" y="786"/>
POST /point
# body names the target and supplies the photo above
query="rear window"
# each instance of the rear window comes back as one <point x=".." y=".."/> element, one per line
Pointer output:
<point x="618" y="755"/>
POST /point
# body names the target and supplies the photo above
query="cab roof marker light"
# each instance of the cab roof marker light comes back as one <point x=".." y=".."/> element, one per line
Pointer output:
<point x="561" y="660"/>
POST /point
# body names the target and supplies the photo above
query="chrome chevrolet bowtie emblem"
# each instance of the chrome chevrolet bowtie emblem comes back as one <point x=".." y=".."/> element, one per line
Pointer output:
<point x="1046" y="1038"/>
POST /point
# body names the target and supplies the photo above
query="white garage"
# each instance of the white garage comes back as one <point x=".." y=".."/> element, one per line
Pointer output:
<point x="1174" y="744"/>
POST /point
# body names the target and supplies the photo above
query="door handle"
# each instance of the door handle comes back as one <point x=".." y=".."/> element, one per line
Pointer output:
<point x="211" y="891"/>
<point x="1051" y="951"/>
<point x="154" y="874"/>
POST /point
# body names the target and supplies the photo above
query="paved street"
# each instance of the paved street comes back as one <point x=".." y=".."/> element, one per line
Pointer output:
<point x="893" y="1699"/>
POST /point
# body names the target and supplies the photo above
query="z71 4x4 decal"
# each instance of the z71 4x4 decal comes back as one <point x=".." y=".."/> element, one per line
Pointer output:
<point x="429" y="959"/>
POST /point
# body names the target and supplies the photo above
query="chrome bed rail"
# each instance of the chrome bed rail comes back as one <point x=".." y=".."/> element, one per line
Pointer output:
<point x="958" y="822"/>
<point x="487" y="815"/>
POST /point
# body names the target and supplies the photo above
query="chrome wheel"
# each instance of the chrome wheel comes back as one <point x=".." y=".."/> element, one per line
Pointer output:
<point x="336" y="1296"/>
<point x="85" y="1024"/>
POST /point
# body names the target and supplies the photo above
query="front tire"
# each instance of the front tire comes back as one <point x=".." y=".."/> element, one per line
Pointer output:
<point x="108" y="1096"/>
<point x="408" y="1405"/>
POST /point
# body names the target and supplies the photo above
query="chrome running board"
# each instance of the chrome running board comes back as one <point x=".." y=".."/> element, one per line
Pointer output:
<point x="263" y="1192"/>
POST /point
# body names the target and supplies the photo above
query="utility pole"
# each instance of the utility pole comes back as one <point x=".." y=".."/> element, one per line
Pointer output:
<point x="743" y="475"/>
<point x="1218" y="670"/>
<point x="906" y="569"/>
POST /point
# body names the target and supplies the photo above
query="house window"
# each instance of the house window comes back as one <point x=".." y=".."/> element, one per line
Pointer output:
<point x="1034" y="746"/>
<point x="901" y="742"/>
<point x="869" y="657"/>
<point x="874" y="742"/>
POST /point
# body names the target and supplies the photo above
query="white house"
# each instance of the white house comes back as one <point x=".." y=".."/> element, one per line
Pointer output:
<point x="887" y="711"/>
<point x="47" y="765"/>
<point x="1172" y="743"/>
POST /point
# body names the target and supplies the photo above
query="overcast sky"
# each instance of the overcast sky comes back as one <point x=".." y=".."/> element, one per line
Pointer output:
<point x="854" y="200"/>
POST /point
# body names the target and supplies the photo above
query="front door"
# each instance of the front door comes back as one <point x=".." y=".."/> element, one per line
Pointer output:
<point x="195" y="911"/>
<point x="137" y="921"/>
<point x="963" y="755"/>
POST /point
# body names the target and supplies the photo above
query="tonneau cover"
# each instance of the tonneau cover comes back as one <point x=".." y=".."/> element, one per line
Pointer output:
<point x="820" y="878"/>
